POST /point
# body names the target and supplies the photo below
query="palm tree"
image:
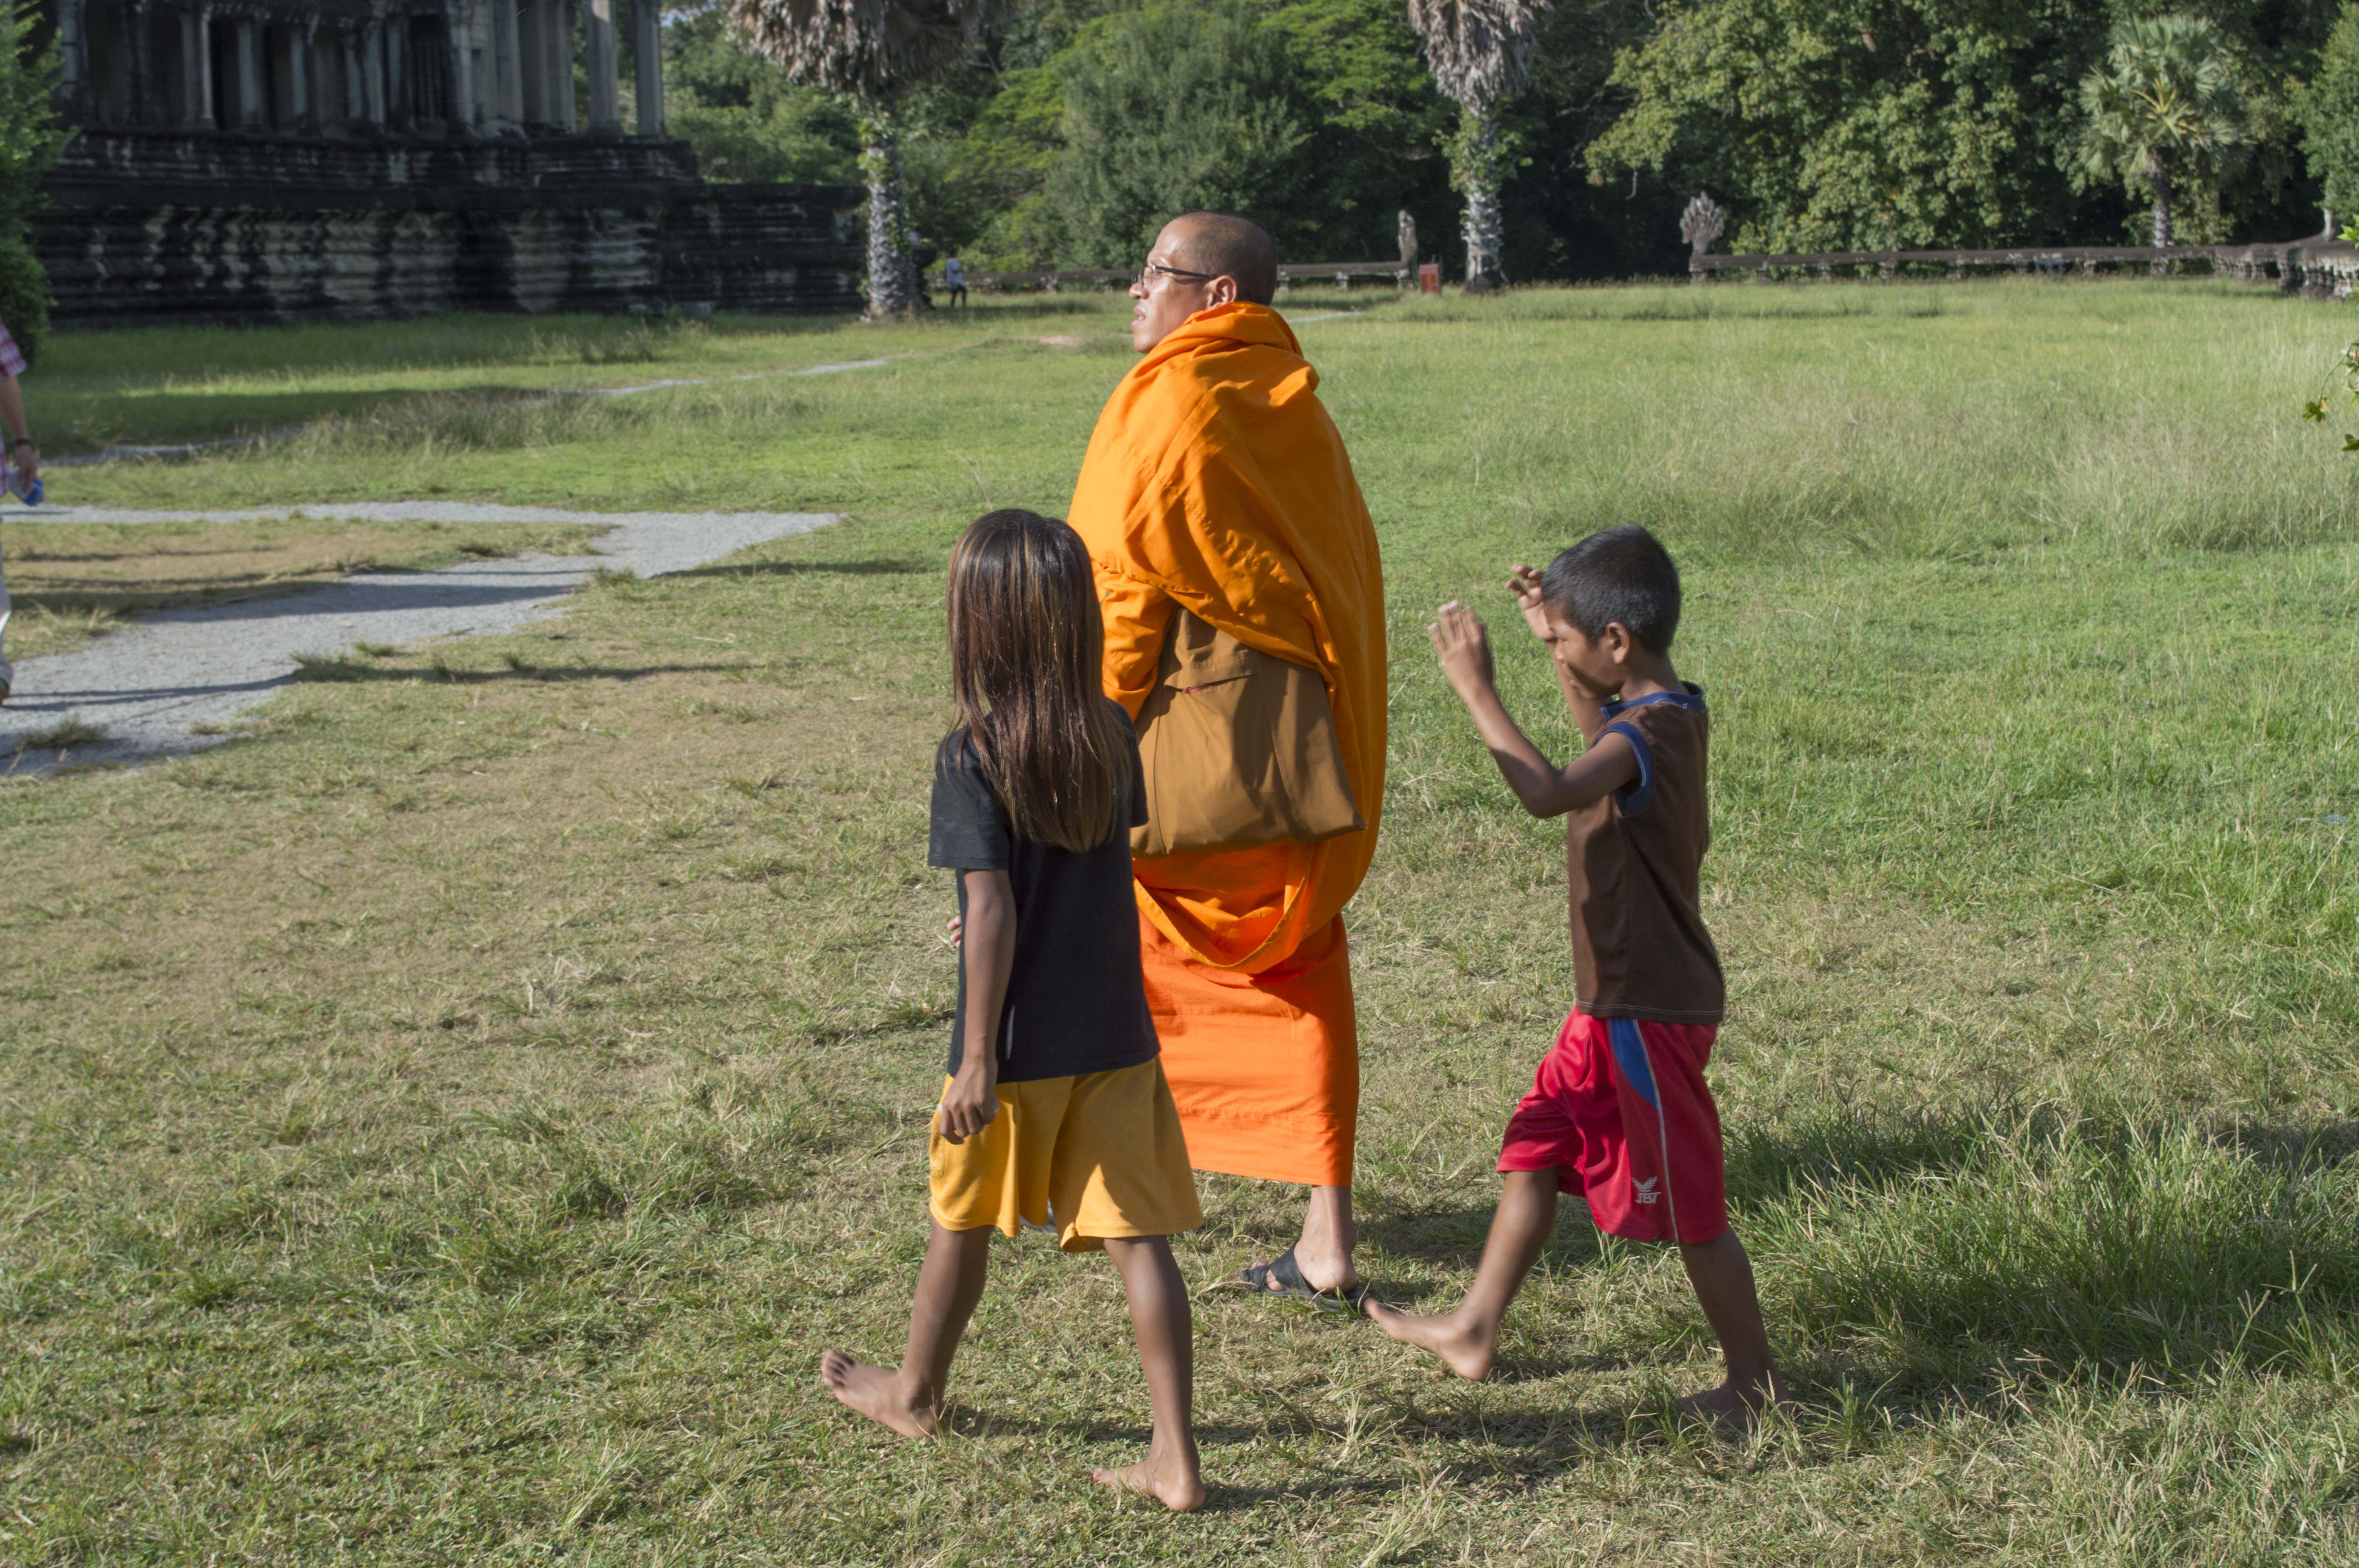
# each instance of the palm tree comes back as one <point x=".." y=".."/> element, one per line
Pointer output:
<point x="870" y="52"/>
<point x="1479" y="53"/>
<point x="2164" y="110"/>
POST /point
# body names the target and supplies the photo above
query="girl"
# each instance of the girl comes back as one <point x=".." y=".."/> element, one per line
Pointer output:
<point x="1056" y="1112"/>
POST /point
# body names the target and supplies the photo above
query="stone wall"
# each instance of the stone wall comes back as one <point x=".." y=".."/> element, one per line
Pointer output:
<point x="153" y="226"/>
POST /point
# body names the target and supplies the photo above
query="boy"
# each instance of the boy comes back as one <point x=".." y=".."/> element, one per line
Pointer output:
<point x="1619" y="1104"/>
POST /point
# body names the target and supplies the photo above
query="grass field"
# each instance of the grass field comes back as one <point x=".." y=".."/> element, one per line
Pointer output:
<point x="446" y="1126"/>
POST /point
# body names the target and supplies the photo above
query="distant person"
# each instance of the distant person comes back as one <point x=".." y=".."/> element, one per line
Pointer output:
<point x="1619" y="1106"/>
<point x="1245" y="615"/>
<point x="954" y="281"/>
<point x="18" y="470"/>
<point x="1056" y="1114"/>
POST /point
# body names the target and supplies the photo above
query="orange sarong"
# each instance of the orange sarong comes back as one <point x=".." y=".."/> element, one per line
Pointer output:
<point x="1216" y="482"/>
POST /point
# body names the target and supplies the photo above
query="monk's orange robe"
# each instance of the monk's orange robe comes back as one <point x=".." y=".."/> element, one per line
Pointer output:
<point x="1215" y="481"/>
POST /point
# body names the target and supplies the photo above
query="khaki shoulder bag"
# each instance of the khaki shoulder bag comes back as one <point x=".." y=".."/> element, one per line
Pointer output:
<point x="1239" y="749"/>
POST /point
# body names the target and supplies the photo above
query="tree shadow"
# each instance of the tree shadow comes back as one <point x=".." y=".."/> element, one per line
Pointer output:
<point x="335" y="670"/>
<point x="803" y="568"/>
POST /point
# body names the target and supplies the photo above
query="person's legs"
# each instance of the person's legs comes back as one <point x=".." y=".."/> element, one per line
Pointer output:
<point x="1466" y="1337"/>
<point x="1722" y="1277"/>
<point x="909" y="1398"/>
<point x="1160" y="1319"/>
<point x="7" y="671"/>
<point x="1328" y="1239"/>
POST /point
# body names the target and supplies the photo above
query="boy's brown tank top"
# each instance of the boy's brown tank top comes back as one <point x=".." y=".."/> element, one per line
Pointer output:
<point x="1632" y="862"/>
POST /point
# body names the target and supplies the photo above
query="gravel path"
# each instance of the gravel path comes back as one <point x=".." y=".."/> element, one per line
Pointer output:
<point x="147" y="686"/>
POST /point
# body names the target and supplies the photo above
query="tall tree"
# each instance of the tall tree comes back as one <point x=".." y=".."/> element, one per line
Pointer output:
<point x="2328" y="107"/>
<point x="1479" y="52"/>
<point x="2166" y="109"/>
<point x="872" y="53"/>
<point x="1172" y="107"/>
<point x="31" y="141"/>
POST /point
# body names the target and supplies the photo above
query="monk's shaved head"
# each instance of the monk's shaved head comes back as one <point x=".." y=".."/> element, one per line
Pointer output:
<point x="1224" y="244"/>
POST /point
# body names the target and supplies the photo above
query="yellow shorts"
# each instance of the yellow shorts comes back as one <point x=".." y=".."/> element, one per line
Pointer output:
<point x="1096" y="1155"/>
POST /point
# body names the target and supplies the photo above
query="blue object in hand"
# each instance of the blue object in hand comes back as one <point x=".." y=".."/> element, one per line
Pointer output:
<point x="30" y="494"/>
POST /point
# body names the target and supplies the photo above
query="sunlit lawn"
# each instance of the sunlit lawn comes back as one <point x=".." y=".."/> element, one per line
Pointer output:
<point x="447" y="1125"/>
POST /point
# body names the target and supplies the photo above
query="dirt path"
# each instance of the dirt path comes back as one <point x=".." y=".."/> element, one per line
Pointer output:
<point x="147" y="687"/>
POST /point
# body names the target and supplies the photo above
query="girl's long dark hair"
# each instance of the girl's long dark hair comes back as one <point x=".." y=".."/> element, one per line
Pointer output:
<point x="1026" y="642"/>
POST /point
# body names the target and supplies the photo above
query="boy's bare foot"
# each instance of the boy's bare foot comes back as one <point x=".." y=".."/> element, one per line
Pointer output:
<point x="876" y="1392"/>
<point x="1739" y="1404"/>
<point x="1463" y="1348"/>
<point x="1177" y="1485"/>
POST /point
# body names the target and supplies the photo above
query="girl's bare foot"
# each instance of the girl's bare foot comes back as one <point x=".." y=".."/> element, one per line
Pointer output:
<point x="1177" y="1485"/>
<point x="876" y="1393"/>
<point x="1463" y="1347"/>
<point x="1740" y="1404"/>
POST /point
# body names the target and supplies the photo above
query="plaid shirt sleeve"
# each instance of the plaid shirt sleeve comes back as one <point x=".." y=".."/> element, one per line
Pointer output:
<point x="11" y="361"/>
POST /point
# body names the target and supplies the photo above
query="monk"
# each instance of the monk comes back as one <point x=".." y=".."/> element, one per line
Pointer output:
<point x="1216" y="482"/>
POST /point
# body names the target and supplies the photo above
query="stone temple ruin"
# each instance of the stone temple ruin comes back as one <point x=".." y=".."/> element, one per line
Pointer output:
<point x="301" y="159"/>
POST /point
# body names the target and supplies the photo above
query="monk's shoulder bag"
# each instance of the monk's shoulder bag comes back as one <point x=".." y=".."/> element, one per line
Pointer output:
<point x="1238" y="748"/>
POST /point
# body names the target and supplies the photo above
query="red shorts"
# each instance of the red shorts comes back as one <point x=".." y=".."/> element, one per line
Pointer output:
<point x="1620" y="1103"/>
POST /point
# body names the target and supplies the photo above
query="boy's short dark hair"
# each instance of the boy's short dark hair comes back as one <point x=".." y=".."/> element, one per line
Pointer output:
<point x="1618" y="574"/>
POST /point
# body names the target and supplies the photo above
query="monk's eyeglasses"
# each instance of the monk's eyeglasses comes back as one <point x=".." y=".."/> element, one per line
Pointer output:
<point x="1145" y="272"/>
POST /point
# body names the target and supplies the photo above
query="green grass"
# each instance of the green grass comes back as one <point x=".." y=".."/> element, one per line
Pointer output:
<point x="446" y="1125"/>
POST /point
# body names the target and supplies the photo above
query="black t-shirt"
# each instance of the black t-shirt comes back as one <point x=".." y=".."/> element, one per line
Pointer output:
<point x="1076" y="1002"/>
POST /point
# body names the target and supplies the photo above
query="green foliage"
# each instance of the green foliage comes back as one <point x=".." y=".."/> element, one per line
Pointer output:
<point x="1174" y="108"/>
<point x="979" y="188"/>
<point x="2327" y="106"/>
<point x="2165" y="112"/>
<point x="745" y="119"/>
<point x="1882" y="123"/>
<point x="1864" y="123"/>
<point x="31" y="141"/>
<point x="1316" y="119"/>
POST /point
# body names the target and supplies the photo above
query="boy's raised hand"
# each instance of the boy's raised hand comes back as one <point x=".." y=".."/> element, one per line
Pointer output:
<point x="1525" y="584"/>
<point x="1464" y="649"/>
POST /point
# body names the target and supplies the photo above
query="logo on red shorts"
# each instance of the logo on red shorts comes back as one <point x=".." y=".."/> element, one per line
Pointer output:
<point x="1643" y="1191"/>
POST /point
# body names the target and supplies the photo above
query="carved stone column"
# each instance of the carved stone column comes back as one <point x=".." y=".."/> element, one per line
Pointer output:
<point x="196" y="104"/>
<point x="532" y="63"/>
<point x="249" y="75"/>
<point x="397" y="105"/>
<point x="356" y="100"/>
<point x="374" y="96"/>
<point x="506" y="85"/>
<point x="203" y="115"/>
<point x="138" y="46"/>
<point x="605" y="73"/>
<point x="73" y="68"/>
<point x="298" y="75"/>
<point x="460" y="115"/>
<point x="647" y="22"/>
<point x="561" y="63"/>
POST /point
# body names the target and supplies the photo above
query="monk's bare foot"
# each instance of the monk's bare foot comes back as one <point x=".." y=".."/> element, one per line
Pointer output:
<point x="1463" y="1348"/>
<point x="1176" y="1482"/>
<point x="1740" y="1404"/>
<point x="876" y="1393"/>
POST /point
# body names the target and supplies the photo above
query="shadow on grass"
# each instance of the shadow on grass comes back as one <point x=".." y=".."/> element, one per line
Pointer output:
<point x="360" y="669"/>
<point x="803" y="568"/>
